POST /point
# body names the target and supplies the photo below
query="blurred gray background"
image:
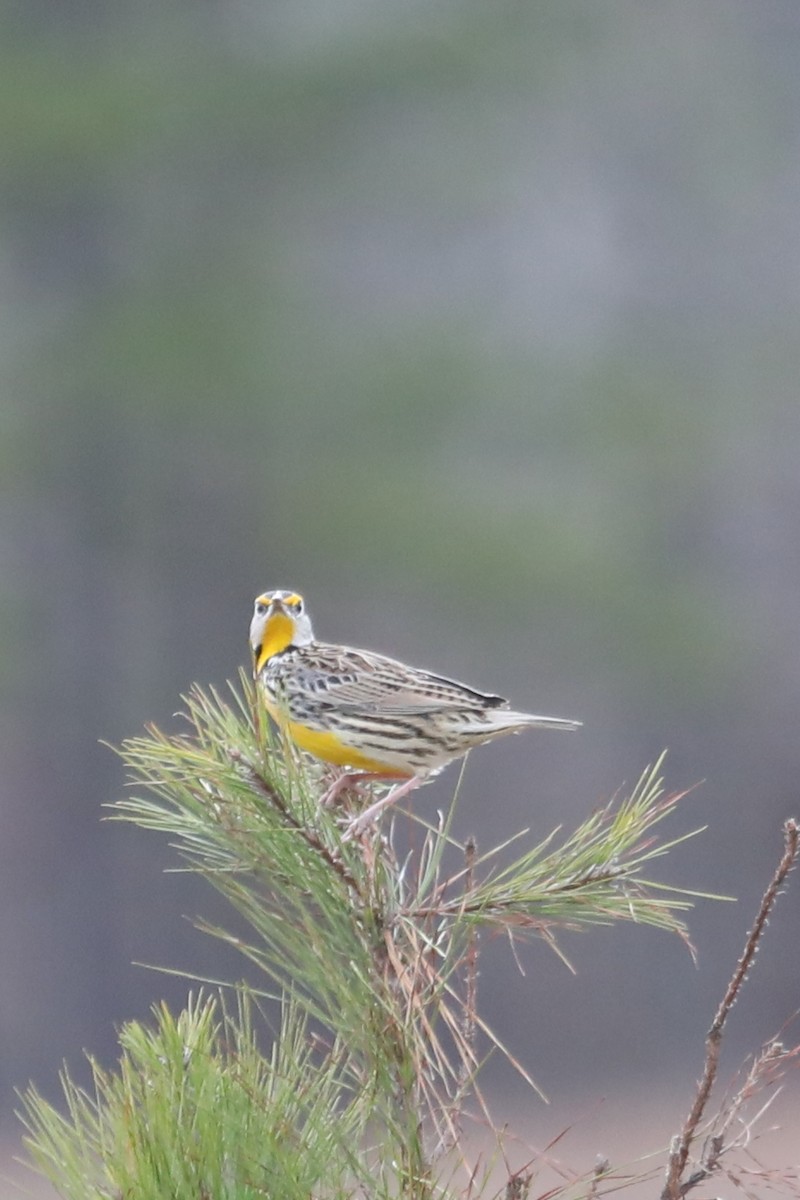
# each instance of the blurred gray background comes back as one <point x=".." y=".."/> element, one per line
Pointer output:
<point x="478" y="324"/>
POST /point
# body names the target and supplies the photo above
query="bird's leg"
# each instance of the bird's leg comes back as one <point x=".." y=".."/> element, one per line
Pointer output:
<point x="350" y="779"/>
<point x="360" y="823"/>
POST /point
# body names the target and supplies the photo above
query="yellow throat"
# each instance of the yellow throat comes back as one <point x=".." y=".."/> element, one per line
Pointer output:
<point x="278" y="635"/>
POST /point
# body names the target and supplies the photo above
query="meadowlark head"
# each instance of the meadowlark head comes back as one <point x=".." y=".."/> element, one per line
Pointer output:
<point x="279" y="621"/>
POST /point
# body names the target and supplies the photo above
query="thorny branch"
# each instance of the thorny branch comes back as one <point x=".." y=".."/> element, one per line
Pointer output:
<point x="675" y="1186"/>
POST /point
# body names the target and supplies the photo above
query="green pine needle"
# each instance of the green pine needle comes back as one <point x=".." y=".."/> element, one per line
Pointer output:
<point x="376" y="953"/>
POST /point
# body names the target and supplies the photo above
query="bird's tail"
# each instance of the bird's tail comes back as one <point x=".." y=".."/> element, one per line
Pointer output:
<point x="517" y="720"/>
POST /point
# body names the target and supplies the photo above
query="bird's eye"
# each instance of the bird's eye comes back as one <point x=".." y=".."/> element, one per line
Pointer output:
<point x="261" y="607"/>
<point x="297" y="606"/>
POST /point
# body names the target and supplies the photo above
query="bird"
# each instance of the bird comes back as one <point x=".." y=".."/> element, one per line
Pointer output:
<point x="374" y="716"/>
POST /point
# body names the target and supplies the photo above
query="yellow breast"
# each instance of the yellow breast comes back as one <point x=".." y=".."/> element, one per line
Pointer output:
<point x="330" y="748"/>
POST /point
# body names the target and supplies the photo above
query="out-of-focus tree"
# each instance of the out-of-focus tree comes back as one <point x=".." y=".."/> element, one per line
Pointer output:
<point x="477" y="324"/>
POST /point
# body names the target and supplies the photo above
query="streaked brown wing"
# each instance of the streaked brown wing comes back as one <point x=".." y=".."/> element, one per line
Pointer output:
<point x="365" y="682"/>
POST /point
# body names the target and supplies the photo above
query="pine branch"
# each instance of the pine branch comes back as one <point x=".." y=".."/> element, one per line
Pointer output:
<point x="195" y="1109"/>
<point x="376" y="951"/>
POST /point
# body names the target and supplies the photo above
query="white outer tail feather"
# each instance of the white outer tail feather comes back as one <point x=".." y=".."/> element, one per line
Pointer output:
<point x="503" y="719"/>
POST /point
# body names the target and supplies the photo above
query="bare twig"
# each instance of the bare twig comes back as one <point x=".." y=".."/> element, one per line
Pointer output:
<point x="676" y="1186"/>
<point x="601" y="1168"/>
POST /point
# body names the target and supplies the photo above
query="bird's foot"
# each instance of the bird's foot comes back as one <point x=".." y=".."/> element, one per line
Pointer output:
<point x="365" y="819"/>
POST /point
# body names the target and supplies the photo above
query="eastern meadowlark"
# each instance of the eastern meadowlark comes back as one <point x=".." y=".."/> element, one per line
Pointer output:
<point x="374" y="716"/>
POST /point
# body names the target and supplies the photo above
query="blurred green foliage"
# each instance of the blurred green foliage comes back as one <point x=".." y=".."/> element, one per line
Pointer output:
<point x="477" y="323"/>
